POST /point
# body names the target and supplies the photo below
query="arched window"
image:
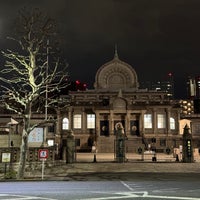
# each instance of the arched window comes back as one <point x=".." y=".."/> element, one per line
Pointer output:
<point x="65" y="124"/>
<point x="172" y="123"/>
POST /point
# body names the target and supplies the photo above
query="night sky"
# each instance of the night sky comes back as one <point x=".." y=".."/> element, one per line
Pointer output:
<point x="154" y="36"/>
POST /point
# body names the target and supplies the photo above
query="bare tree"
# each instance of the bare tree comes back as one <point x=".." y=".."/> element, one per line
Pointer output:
<point x="25" y="75"/>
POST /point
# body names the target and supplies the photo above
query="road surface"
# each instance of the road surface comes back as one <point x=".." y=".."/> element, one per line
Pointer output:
<point x="142" y="188"/>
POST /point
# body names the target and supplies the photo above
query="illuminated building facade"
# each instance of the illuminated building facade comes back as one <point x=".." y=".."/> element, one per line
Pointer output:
<point x="149" y="117"/>
<point x="187" y="107"/>
<point x="116" y="97"/>
<point x="193" y="87"/>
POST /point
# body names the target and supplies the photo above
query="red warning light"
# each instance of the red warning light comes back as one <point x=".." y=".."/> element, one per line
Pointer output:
<point x="77" y="82"/>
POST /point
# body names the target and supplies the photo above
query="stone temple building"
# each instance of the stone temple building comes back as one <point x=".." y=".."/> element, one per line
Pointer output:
<point x="150" y="119"/>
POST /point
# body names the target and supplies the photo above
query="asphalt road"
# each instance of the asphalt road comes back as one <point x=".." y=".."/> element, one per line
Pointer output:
<point x="143" y="186"/>
<point x="131" y="176"/>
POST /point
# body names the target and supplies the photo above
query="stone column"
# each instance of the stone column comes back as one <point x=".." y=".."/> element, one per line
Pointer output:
<point x="70" y="118"/>
<point x="97" y="124"/>
<point x="168" y="130"/>
<point x="84" y="121"/>
<point x="127" y="123"/>
<point x="111" y="124"/>
<point x="168" y="111"/>
<point x="141" y="123"/>
<point x="59" y="123"/>
<point x="154" y="121"/>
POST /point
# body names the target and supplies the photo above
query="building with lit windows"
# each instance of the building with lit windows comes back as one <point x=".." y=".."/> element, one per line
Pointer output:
<point x="116" y="97"/>
<point x="193" y="87"/>
<point x="193" y="90"/>
<point x="161" y="85"/>
<point x="187" y="107"/>
<point x="151" y="119"/>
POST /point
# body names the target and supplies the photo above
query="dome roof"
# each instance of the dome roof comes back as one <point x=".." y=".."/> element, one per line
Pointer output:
<point x="116" y="74"/>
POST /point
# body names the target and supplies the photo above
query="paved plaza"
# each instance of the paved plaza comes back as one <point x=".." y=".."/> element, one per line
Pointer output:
<point x="88" y="167"/>
<point x="105" y="165"/>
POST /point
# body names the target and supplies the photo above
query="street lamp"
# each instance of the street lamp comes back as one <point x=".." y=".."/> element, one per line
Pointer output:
<point x="46" y="97"/>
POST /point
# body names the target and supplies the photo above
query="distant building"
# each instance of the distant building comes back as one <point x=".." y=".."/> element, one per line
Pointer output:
<point x="187" y="106"/>
<point x="193" y="87"/>
<point x="161" y="85"/>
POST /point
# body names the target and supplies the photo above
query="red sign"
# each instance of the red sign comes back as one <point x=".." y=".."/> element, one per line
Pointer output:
<point x="43" y="153"/>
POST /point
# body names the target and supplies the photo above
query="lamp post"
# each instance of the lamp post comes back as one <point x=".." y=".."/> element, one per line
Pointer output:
<point x="46" y="97"/>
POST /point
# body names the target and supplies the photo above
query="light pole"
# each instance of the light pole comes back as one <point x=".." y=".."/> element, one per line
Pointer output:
<point x="46" y="98"/>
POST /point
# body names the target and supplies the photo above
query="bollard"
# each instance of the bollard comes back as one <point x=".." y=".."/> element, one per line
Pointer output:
<point x="154" y="159"/>
<point x="95" y="158"/>
<point x="94" y="150"/>
<point x="177" y="158"/>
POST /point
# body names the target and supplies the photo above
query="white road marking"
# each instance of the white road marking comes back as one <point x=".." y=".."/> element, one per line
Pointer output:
<point x="127" y="186"/>
<point x="131" y="195"/>
<point x="22" y="197"/>
<point x="172" y="197"/>
<point x="143" y="194"/>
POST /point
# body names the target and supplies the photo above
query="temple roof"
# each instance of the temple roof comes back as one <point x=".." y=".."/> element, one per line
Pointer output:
<point x="116" y="74"/>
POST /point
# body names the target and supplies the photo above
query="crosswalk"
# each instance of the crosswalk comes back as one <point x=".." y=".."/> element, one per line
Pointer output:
<point x="149" y="190"/>
<point x="139" y="196"/>
<point x="138" y="191"/>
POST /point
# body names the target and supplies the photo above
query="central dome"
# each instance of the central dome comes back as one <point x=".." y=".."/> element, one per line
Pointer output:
<point x="116" y="74"/>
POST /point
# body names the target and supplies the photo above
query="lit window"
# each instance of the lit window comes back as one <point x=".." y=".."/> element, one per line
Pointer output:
<point x="77" y="121"/>
<point x="147" y="121"/>
<point x="65" y="124"/>
<point x="161" y="121"/>
<point x="172" y="123"/>
<point x="90" y="121"/>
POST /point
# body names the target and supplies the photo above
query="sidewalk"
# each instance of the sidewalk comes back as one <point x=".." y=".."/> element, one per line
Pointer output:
<point x="121" y="171"/>
<point x="107" y="168"/>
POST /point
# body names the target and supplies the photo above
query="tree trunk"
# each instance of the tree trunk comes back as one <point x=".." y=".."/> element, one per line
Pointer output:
<point x="23" y="155"/>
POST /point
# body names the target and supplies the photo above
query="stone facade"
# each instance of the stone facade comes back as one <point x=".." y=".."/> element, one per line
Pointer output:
<point x="150" y="119"/>
<point x="116" y="97"/>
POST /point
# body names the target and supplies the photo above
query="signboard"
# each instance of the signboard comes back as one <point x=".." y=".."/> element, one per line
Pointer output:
<point x="36" y="135"/>
<point x="6" y="157"/>
<point x="43" y="153"/>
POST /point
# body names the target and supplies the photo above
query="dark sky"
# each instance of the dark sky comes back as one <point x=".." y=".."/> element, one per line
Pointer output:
<point x="154" y="36"/>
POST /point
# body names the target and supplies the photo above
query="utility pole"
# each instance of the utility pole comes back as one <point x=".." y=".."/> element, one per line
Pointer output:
<point x="46" y="98"/>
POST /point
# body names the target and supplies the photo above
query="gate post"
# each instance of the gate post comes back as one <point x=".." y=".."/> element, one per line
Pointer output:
<point x="188" y="156"/>
<point x="70" y="157"/>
